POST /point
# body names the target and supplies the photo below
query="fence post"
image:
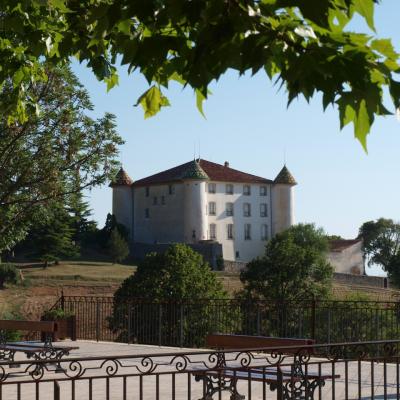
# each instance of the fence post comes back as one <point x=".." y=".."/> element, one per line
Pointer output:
<point x="313" y="318"/>
<point x="62" y="300"/>
<point x="97" y="320"/>
<point x="56" y="391"/>
<point x="160" y="324"/>
<point x="129" y="322"/>
<point x="181" y="325"/>
<point x="258" y="320"/>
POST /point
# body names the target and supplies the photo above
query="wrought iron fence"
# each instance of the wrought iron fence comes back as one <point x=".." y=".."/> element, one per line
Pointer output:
<point x="333" y="371"/>
<point x="186" y="324"/>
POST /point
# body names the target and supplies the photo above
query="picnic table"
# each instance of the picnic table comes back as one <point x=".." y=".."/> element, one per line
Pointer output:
<point x="33" y="350"/>
<point x="290" y="382"/>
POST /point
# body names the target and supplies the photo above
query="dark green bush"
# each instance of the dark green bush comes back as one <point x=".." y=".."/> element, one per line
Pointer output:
<point x="55" y="314"/>
<point x="8" y="274"/>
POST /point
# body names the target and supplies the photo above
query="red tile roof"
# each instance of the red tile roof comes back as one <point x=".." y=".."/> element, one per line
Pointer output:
<point x="216" y="172"/>
<point x="342" y="244"/>
<point x="121" y="179"/>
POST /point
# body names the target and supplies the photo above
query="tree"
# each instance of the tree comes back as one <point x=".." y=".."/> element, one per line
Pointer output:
<point x="117" y="247"/>
<point x="381" y="245"/>
<point x="166" y="297"/>
<point x="41" y="158"/>
<point x="52" y="239"/>
<point x="303" y="44"/>
<point x="110" y="225"/>
<point x="294" y="267"/>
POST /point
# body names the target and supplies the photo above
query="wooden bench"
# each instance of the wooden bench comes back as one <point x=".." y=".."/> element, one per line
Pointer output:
<point x="290" y="382"/>
<point x="37" y="351"/>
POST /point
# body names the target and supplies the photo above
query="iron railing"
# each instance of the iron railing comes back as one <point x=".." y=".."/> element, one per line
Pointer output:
<point x="362" y="370"/>
<point x="186" y="324"/>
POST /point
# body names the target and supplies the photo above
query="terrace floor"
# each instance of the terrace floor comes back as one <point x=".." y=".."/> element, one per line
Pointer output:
<point x="172" y="385"/>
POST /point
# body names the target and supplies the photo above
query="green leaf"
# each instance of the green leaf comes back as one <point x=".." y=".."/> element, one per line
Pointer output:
<point x="199" y="101"/>
<point x="112" y="81"/>
<point x="362" y="124"/>
<point x="366" y="9"/>
<point x="385" y="47"/>
<point x="152" y="100"/>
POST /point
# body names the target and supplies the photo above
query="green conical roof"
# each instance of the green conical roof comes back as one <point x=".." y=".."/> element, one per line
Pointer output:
<point x="194" y="171"/>
<point x="285" y="177"/>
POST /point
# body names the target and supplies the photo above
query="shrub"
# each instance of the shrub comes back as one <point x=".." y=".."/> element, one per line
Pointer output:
<point x="8" y="274"/>
<point x="164" y="299"/>
<point x="56" y="314"/>
<point x="117" y="247"/>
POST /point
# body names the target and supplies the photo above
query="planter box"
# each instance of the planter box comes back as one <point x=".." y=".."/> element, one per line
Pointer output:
<point x="65" y="328"/>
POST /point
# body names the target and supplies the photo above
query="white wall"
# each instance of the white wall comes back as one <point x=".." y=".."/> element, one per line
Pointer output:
<point x="122" y="206"/>
<point x="349" y="260"/>
<point x="195" y="220"/>
<point x="282" y="208"/>
<point x="248" y="249"/>
<point x="166" y="222"/>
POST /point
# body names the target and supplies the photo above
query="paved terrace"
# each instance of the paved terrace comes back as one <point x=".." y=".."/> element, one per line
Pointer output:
<point x="147" y="385"/>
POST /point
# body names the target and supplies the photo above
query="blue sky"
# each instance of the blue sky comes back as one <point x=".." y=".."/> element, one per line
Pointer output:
<point x="247" y="123"/>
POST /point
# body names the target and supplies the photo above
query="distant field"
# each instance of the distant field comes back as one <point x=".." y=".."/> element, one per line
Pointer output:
<point x="79" y="271"/>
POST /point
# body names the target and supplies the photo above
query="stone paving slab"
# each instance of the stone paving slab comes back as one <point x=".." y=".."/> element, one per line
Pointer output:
<point x="183" y="385"/>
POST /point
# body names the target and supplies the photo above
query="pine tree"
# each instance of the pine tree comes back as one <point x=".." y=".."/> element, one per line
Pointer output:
<point x="53" y="239"/>
<point x="117" y="247"/>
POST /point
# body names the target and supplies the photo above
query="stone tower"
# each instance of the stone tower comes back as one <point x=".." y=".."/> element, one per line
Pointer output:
<point x="195" y="201"/>
<point x="122" y="200"/>
<point x="283" y="201"/>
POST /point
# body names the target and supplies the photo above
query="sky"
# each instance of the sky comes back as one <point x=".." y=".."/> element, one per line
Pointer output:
<point x="247" y="123"/>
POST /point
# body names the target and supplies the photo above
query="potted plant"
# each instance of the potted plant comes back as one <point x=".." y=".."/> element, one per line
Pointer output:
<point x="66" y="323"/>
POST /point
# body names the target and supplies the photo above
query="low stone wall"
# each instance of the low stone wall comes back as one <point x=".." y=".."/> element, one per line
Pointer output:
<point x="361" y="280"/>
<point x="234" y="266"/>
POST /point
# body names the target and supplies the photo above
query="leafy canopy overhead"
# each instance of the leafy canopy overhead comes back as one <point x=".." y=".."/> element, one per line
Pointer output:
<point x="304" y="45"/>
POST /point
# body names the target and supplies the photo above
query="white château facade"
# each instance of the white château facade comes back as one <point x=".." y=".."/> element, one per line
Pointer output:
<point x="202" y="201"/>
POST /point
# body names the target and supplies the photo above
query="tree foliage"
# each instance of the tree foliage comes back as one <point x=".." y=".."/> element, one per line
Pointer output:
<point x="293" y="267"/>
<point x="55" y="153"/>
<point x="8" y="274"/>
<point x="304" y="45"/>
<point x="117" y="247"/>
<point x="164" y="299"/>
<point x="381" y="245"/>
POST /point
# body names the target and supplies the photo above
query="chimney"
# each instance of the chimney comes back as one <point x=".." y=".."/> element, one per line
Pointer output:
<point x="226" y="164"/>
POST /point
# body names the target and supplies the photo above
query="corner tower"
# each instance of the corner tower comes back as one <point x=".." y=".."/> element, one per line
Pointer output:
<point x="122" y="200"/>
<point x="195" y="200"/>
<point x="283" y="201"/>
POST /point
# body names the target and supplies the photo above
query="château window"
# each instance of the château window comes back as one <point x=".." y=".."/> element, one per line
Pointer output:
<point x="147" y="191"/>
<point x="155" y="201"/>
<point x="147" y="213"/>
<point x="263" y="210"/>
<point x="263" y="190"/>
<point x="264" y="232"/>
<point x="171" y="189"/>
<point x="246" y="190"/>
<point x="212" y="188"/>
<point x="229" y="232"/>
<point x="229" y="209"/>
<point x="163" y="200"/>
<point x="229" y="189"/>
<point x="247" y="232"/>
<point x="213" y="231"/>
<point x="212" y="208"/>
<point x="246" y="209"/>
